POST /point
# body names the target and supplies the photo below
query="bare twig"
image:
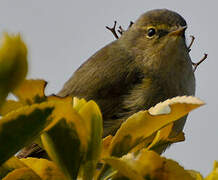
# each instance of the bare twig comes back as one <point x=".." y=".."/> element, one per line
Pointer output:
<point x="130" y="24"/>
<point x="113" y="30"/>
<point x="191" y="43"/>
<point x="195" y="65"/>
<point x="121" y="30"/>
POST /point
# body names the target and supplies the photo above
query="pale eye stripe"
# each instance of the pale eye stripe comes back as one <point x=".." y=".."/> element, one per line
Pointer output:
<point x="160" y="26"/>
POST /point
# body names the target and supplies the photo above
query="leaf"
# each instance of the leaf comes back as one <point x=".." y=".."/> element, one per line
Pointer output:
<point x="147" y="165"/>
<point x="21" y="127"/>
<point x="91" y="114"/>
<point x="31" y="91"/>
<point x="174" y="171"/>
<point x="135" y="167"/>
<point x="78" y="103"/>
<point x="13" y="64"/>
<point x="105" y="146"/>
<point x="22" y="174"/>
<point x="44" y="168"/>
<point x="10" y="165"/>
<point x="10" y="105"/>
<point x="144" y="123"/>
<point x="214" y="174"/>
<point x="66" y="111"/>
<point x="63" y="146"/>
<point x="195" y="174"/>
<point x="162" y="137"/>
<point x="82" y="145"/>
<point x="123" y="168"/>
<point x="66" y="140"/>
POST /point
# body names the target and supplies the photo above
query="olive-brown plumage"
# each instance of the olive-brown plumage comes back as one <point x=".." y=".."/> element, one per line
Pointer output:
<point x="149" y="63"/>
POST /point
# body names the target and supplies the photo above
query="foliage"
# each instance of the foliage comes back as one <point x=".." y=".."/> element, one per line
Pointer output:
<point x="70" y="130"/>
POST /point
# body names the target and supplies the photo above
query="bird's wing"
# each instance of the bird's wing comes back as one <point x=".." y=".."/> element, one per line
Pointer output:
<point x="105" y="77"/>
<point x="110" y="70"/>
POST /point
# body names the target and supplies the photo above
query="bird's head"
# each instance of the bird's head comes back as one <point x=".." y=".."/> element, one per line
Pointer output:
<point x="157" y="33"/>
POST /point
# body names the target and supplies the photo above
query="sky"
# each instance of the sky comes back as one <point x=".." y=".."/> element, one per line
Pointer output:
<point x="61" y="35"/>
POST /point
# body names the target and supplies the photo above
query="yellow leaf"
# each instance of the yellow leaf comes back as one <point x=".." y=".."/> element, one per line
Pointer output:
<point x="156" y="141"/>
<point x="72" y="130"/>
<point x="147" y="165"/>
<point x="31" y="91"/>
<point x="67" y="99"/>
<point x="65" y="140"/>
<point x="22" y="126"/>
<point x="144" y="123"/>
<point x="162" y="134"/>
<point x="123" y="168"/>
<point x="87" y="112"/>
<point x="9" y="106"/>
<point x="64" y="110"/>
<point x="105" y="146"/>
<point x="214" y="174"/>
<point x="13" y="64"/>
<point x="92" y="118"/>
<point x="163" y="138"/>
<point x="195" y="174"/>
<point x="63" y="146"/>
<point x="44" y="168"/>
<point x="172" y="170"/>
<point x="22" y="174"/>
<point x="78" y="103"/>
<point x="10" y="165"/>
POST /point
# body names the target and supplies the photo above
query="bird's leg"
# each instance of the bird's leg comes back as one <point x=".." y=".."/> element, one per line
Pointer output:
<point x="113" y="30"/>
<point x="195" y="65"/>
<point x="191" y="43"/>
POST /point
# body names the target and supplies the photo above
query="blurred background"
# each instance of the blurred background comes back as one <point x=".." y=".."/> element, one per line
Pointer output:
<point x="63" y="34"/>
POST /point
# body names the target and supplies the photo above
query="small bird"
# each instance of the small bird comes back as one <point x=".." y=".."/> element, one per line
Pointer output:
<point x="148" y="64"/>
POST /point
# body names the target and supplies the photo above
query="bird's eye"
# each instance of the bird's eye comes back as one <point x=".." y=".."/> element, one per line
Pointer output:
<point x="151" y="32"/>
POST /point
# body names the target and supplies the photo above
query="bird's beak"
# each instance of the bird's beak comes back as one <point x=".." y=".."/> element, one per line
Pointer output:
<point x="178" y="32"/>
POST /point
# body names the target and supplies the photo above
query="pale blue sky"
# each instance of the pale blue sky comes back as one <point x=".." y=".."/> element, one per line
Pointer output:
<point x="63" y="34"/>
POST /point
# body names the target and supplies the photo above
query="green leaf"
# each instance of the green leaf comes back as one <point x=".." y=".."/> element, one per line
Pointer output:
<point x="21" y="127"/>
